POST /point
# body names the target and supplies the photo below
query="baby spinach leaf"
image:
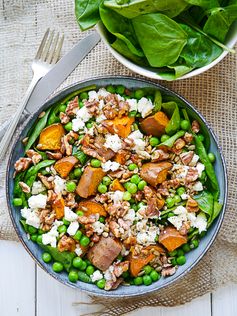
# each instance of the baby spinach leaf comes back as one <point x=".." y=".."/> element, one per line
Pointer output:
<point x="180" y="69"/>
<point x="122" y="28"/>
<point x="170" y="142"/>
<point x="205" y="4"/>
<point x="87" y="13"/>
<point x="172" y="110"/>
<point x="164" y="39"/>
<point x="220" y="21"/>
<point x="216" y="211"/>
<point x="199" y="50"/>
<point x="205" y="202"/>
<point x="135" y="8"/>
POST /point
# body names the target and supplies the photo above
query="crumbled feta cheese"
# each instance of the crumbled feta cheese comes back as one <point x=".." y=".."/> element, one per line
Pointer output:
<point x="197" y="186"/>
<point x="50" y="238"/>
<point x="177" y="221"/>
<point x="110" y="165"/>
<point x="100" y="118"/>
<point x="132" y="104"/>
<point x="180" y="171"/>
<point x="194" y="160"/>
<point x="31" y="217"/>
<point x="130" y="216"/>
<point x="146" y="235"/>
<point x="77" y="124"/>
<point x="145" y="106"/>
<point x="139" y="143"/>
<point x="103" y="93"/>
<point x="37" y="187"/>
<point x="201" y="222"/>
<point x="184" y="196"/>
<point x="90" y="131"/>
<point x="180" y="210"/>
<point x="69" y="215"/>
<point x="83" y="114"/>
<point x="200" y="168"/>
<point x="108" y="274"/>
<point x="92" y="95"/>
<point x="78" y="250"/>
<point x="59" y="184"/>
<point x="98" y="227"/>
<point x="113" y="142"/>
<point x="72" y="228"/>
<point x="37" y="201"/>
<point x="136" y="135"/>
<point x="116" y="196"/>
<point x="119" y="97"/>
<point x="101" y="104"/>
<point x="97" y="275"/>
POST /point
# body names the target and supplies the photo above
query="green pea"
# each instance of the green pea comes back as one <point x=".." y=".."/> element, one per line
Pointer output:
<point x="134" y="207"/>
<point x="80" y="213"/>
<point x="78" y="235"/>
<point x="102" y="188"/>
<point x="81" y="104"/>
<point x="132" y="113"/>
<point x="141" y="185"/>
<point x="39" y="240"/>
<point x="68" y="126"/>
<point x="174" y="262"/>
<point x="185" y="125"/>
<point x="102" y="219"/>
<point x="84" y="96"/>
<point x="177" y="199"/>
<point x="89" y="125"/>
<point x="110" y="89"/>
<point x="180" y="252"/>
<point x="132" y="167"/>
<point x="90" y="270"/>
<point x="17" y="202"/>
<point x="186" y="248"/>
<point x="82" y="276"/>
<point x="211" y="157"/>
<point x="120" y="89"/>
<point x="138" y="94"/>
<point x="147" y="269"/>
<point x="34" y="237"/>
<point x="181" y="190"/>
<point x="62" y="108"/>
<point x="101" y="283"/>
<point x="62" y="229"/>
<point x="170" y="214"/>
<point x="155" y="276"/>
<point x="194" y="243"/>
<point x="138" y="280"/>
<point x="164" y="138"/>
<point x="131" y="188"/>
<point x="135" y="179"/>
<point x="57" y="267"/>
<point x="154" y="141"/>
<point x="147" y="280"/>
<point x="127" y="196"/>
<point x="77" y="262"/>
<point x="77" y="172"/>
<point x="32" y="230"/>
<point x="65" y="222"/>
<point x="71" y="186"/>
<point x="200" y="137"/>
<point x="95" y="163"/>
<point x="84" y="241"/>
<point x="73" y="276"/>
<point x="169" y="202"/>
<point x="106" y="180"/>
<point x="181" y="260"/>
<point x="83" y="265"/>
<point x="40" y="231"/>
<point x="46" y="257"/>
<point x="173" y="253"/>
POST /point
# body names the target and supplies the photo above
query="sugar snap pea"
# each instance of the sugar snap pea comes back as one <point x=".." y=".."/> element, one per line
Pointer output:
<point x="170" y="142"/>
<point x="32" y="171"/>
<point x="157" y="101"/>
<point x="53" y="116"/>
<point x="84" y="277"/>
<point x="172" y="109"/>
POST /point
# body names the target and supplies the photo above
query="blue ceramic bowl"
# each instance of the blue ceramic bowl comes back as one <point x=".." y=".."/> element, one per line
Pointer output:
<point x="193" y="257"/>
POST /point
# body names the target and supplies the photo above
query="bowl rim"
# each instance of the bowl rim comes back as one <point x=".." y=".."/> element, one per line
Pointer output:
<point x="97" y="292"/>
<point x="151" y="74"/>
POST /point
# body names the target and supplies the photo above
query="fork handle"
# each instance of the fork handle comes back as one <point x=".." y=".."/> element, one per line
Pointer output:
<point x="4" y="144"/>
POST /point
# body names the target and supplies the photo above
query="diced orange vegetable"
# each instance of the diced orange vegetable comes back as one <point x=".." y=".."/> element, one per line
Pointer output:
<point x="120" y="126"/>
<point x="155" y="173"/>
<point x="171" y="238"/>
<point x="121" y="157"/>
<point x="155" y="125"/>
<point x="116" y="186"/>
<point x="50" y="137"/>
<point x="89" y="181"/>
<point x="137" y="262"/>
<point x="65" y="165"/>
<point x="91" y="207"/>
<point x="58" y="206"/>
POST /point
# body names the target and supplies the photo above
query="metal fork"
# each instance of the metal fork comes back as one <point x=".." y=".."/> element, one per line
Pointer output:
<point x="46" y="56"/>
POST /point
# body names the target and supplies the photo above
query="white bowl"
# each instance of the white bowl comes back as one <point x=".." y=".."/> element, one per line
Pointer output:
<point x="149" y="72"/>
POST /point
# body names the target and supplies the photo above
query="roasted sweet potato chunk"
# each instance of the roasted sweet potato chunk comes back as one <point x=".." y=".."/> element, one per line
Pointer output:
<point x="58" y="206"/>
<point x="121" y="157"/>
<point x="65" y="165"/>
<point x="103" y="253"/>
<point x="155" y="125"/>
<point x="89" y="181"/>
<point x="91" y="207"/>
<point x="155" y="173"/>
<point x="120" y="126"/>
<point x="171" y="238"/>
<point x="137" y="262"/>
<point x="50" y="137"/>
<point x="116" y="186"/>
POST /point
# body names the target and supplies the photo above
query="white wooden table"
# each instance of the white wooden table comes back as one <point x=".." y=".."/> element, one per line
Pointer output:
<point x="26" y="290"/>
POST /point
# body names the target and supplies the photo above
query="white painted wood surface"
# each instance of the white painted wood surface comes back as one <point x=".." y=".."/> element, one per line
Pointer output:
<point x="26" y="290"/>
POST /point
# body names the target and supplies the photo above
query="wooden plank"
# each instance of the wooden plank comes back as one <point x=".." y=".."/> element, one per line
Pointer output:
<point x="224" y="301"/>
<point x="17" y="285"/>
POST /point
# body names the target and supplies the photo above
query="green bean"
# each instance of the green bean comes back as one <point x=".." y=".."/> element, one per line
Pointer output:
<point x="53" y="117"/>
<point x="157" y="101"/>
<point x="32" y="171"/>
<point x="170" y="142"/>
<point x="84" y="277"/>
